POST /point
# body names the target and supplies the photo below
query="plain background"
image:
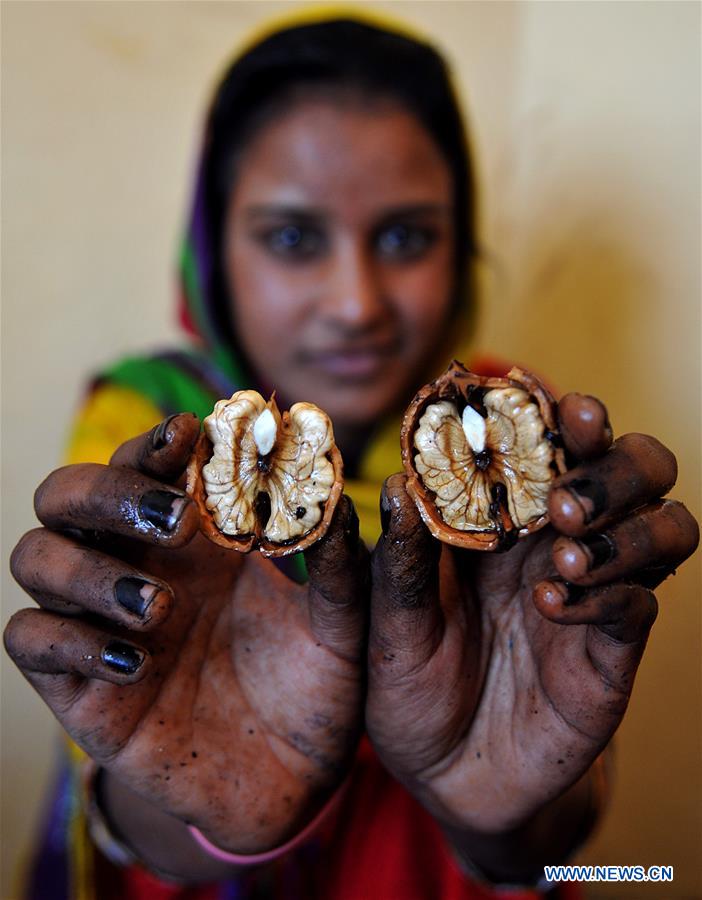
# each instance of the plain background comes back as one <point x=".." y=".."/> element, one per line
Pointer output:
<point x="586" y="125"/>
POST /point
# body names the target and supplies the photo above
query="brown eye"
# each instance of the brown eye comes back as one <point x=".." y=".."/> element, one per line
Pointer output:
<point x="294" y="242"/>
<point x="404" y="242"/>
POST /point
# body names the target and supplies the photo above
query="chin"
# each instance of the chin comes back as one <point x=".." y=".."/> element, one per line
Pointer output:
<point x="362" y="410"/>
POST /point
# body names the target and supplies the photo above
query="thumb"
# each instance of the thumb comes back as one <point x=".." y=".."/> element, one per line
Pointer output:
<point x="338" y="567"/>
<point x="405" y="611"/>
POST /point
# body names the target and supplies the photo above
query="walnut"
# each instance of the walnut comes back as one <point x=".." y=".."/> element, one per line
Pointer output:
<point x="263" y="479"/>
<point x="480" y="454"/>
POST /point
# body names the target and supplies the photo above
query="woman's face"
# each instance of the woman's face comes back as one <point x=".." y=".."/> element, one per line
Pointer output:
<point x="339" y="256"/>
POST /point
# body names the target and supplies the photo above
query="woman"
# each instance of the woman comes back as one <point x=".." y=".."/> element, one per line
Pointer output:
<point x="328" y="258"/>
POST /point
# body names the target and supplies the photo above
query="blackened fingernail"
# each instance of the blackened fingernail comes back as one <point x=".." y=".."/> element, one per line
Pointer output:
<point x="575" y="593"/>
<point x="135" y="594"/>
<point x="122" y="657"/>
<point x="351" y="525"/>
<point x="159" y="439"/>
<point x="592" y="493"/>
<point x="384" y="513"/>
<point x="162" y="509"/>
<point x="600" y="548"/>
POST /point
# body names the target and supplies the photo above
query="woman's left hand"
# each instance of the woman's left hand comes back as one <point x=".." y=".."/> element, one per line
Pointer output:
<point x="496" y="679"/>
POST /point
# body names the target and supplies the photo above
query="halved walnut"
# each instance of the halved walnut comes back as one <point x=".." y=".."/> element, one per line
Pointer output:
<point x="265" y="480"/>
<point x="480" y="454"/>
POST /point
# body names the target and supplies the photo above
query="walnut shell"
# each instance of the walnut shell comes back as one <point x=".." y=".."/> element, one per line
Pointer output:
<point x="480" y="455"/>
<point x="265" y="480"/>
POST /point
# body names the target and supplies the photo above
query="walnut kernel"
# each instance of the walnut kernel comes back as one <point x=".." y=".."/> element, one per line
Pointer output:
<point x="265" y="479"/>
<point x="480" y="454"/>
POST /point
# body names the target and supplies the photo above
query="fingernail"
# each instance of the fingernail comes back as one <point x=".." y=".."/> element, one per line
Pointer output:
<point x="590" y="495"/>
<point x="600" y="549"/>
<point x="135" y="594"/>
<point x="121" y="657"/>
<point x="384" y="513"/>
<point x="351" y="526"/>
<point x="162" y="509"/>
<point x="159" y="439"/>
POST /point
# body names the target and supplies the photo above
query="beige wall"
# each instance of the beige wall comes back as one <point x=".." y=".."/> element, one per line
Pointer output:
<point x="586" y="119"/>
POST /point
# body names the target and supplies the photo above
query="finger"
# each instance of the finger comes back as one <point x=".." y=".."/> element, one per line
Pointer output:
<point x="620" y="616"/>
<point x="162" y="452"/>
<point x="339" y="582"/>
<point x="584" y="426"/>
<point x="636" y="470"/>
<point x="660" y="535"/>
<point x="45" y="645"/>
<point x="405" y="612"/>
<point x="71" y="579"/>
<point x="119" y="501"/>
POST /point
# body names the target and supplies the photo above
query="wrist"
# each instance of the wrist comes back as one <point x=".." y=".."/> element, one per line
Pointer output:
<point x="515" y="857"/>
<point x="129" y="831"/>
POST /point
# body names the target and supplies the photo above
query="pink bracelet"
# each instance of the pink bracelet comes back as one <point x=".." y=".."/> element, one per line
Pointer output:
<point x="258" y="858"/>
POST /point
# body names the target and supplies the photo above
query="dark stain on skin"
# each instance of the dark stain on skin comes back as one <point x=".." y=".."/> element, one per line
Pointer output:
<point x="561" y="762"/>
<point x="251" y="731"/>
<point x="318" y="720"/>
<point x="478" y="754"/>
<point x="194" y="754"/>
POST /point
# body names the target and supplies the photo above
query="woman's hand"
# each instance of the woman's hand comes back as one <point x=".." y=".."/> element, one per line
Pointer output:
<point x="203" y="680"/>
<point x="495" y="680"/>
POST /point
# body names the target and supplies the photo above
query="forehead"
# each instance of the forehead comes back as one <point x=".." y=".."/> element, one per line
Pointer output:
<point x="349" y="159"/>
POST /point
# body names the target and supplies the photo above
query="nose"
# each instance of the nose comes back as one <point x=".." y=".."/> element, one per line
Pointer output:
<point x="354" y="297"/>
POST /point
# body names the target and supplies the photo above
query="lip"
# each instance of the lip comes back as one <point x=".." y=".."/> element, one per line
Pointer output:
<point x="351" y="362"/>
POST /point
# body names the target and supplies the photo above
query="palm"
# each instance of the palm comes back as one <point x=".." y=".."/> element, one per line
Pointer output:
<point x="506" y="707"/>
<point x="496" y="679"/>
<point x="241" y="694"/>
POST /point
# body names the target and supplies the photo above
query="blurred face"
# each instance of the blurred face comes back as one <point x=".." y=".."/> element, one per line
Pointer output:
<point x="339" y="256"/>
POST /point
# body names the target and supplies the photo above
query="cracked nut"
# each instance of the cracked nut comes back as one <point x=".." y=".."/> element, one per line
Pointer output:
<point x="480" y="454"/>
<point x="265" y="479"/>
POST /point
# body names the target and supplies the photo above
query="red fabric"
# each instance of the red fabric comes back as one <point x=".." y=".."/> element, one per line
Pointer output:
<point x="383" y="846"/>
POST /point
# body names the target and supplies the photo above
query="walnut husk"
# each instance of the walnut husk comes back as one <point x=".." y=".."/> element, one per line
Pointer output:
<point x="457" y="385"/>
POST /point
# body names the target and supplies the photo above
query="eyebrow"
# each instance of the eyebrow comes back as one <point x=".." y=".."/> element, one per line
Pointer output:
<point x="302" y="213"/>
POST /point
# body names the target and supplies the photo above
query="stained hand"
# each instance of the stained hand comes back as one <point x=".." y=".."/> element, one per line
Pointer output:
<point x="496" y="679"/>
<point x="204" y="680"/>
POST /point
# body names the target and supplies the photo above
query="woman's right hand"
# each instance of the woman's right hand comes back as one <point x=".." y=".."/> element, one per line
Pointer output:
<point x="203" y="680"/>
